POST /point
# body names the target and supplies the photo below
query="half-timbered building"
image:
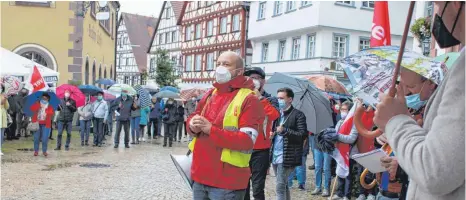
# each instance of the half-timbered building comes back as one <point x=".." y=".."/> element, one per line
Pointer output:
<point x="208" y="29"/>
<point x="167" y="37"/>
<point x="134" y="35"/>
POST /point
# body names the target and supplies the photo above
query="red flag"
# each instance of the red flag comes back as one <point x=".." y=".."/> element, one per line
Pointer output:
<point x="37" y="81"/>
<point x="380" y="34"/>
<point x="342" y="150"/>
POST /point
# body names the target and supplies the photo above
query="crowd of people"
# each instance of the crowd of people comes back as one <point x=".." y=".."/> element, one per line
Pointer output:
<point x="95" y="117"/>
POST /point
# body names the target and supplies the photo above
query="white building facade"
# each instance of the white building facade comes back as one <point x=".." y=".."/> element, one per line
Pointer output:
<point x="303" y="38"/>
<point x="127" y="71"/>
<point x="167" y="37"/>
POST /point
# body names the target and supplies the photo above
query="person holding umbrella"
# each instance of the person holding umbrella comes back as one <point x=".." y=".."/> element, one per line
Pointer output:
<point x="4" y="105"/>
<point x="169" y="121"/>
<point x="122" y="105"/>
<point x="42" y="114"/>
<point x="100" y="112"/>
<point x="135" y="120"/>
<point x="67" y="108"/>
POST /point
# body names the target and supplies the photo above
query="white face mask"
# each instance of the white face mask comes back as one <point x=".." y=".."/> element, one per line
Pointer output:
<point x="343" y="115"/>
<point x="257" y="84"/>
<point x="222" y="74"/>
<point x="67" y="95"/>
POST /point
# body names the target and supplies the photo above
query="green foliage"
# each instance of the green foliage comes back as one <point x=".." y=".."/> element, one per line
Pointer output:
<point x="165" y="72"/>
<point x="421" y="28"/>
<point x="75" y="82"/>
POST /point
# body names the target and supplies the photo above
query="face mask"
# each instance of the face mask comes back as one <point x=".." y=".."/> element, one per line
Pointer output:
<point x="281" y="104"/>
<point x="414" y="101"/>
<point x="43" y="102"/>
<point x="99" y="98"/>
<point x="124" y="95"/>
<point x="222" y="75"/>
<point x="257" y="84"/>
<point x="441" y="34"/>
<point x="67" y="95"/>
<point x="343" y="115"/>
<point x="193" y="99"/>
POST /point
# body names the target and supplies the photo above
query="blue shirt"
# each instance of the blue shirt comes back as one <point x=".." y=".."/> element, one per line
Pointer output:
<point x="278" y="145"/>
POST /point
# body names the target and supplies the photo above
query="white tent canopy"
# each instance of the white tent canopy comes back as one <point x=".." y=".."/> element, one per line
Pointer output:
<point x="21" y="67"/>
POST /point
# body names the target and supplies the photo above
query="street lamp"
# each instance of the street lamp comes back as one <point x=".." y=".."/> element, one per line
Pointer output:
<point x="426" y="46"/>
<point x="102" y="13"/>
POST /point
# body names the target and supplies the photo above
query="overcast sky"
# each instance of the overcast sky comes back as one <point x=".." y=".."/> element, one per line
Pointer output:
<point x="142" y="7"/>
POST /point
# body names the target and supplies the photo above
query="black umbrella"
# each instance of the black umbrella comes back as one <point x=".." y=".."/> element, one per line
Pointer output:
<point x="325" y="140"/>
<point x="308" y="99"/>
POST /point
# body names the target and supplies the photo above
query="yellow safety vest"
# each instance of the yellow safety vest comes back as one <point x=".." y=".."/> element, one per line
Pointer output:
<point x="230" y="122"/>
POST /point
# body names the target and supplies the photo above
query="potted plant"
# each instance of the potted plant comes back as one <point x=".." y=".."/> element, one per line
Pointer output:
<point x="421" y="29"/>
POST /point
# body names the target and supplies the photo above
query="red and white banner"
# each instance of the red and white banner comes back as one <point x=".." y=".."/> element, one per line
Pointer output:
<point x="380" y="32"/>
<point x="342" y="150"/>
<point x="37" y="81"/>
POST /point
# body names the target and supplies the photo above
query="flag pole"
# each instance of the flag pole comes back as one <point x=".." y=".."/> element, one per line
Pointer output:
<point x="392" y="91"/>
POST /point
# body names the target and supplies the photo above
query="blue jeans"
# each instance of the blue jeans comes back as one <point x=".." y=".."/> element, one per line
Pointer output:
<point x="85" y="129"/>
<point x="98" y="130"/>
<point x="2" y="130"/>
<point x="381" y="197"/>
<point x="300" y="172"/>
<point x="61" y="127"/>
<point x="322" y="162"/>
<point x="45" y="138"/>
<point x="135" y="128"/>
<point x="312" y="144"/>
<point x="282" y="173"/>
<point x="203" y="192"/>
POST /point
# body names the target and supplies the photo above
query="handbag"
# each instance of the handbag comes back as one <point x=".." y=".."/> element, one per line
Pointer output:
<point x="33" y="126"/>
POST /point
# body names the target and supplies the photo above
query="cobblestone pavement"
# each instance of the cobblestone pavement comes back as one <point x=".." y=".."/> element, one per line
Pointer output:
<point x="144" y="171"/>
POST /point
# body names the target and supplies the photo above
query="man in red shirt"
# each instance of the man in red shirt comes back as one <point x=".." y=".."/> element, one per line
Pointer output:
<point x="260" y="160"/>
<point x="225" y="126"/>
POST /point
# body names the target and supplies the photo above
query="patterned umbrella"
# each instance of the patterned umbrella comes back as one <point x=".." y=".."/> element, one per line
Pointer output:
<point x="328" y="84"/>
<point x="371" y="70"/>
<point x="144" y="96"/>
<point x="12" y="85"/>
<point x="117" y="88"/>
<point x="75" y="94"/>
<point x="189" y="93"/>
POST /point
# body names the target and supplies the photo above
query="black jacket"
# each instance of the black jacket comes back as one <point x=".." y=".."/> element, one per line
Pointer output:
<point x="125" y="110"/>
<point x="66" y="112"/>
<point x="169" y="114"/>
<point x="293" y="137"/>
<point x="180" y="114"/>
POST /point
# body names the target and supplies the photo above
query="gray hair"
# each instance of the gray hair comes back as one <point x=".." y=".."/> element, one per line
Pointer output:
<point x="348" y="104"/>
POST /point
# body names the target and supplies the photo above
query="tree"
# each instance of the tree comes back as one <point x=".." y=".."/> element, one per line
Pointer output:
<point x="165" y="73"/>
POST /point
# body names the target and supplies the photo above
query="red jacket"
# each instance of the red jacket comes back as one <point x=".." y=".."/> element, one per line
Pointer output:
<point x="49" y="114"/>
<point x="207" y="168"/>
<point x="272" y="114"/>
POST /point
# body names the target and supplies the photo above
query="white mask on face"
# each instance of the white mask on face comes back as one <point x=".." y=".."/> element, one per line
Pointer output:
<point x="343" y="115"/>
<point x="67" y="94"/>
<point x="257" y="84"/>
<point x="222" y="74"/>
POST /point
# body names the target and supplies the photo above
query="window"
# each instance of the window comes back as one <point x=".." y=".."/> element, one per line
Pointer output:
<point x="36" y="57"/>
<point x="127" y="61"/>
<point x="345" y="3"/>
<point x="311" y="46"/>
<point x="168" y="37"/>
<point x="198" y="31"/>
<point x="174" y="36"/>
<point x="281" y="50"/>
<point x="290" y="6"/>
<point x="368" y="4"/>
<point x="167" y="13"/>
<point x="235" y="22"/>
<point x="127" y="80"/>
<point x="199" y="4"/>
<point x="429" y="8"/>
<point x="295" y="48"/>
<point x="210" y="28"/>
<point x="339" y="46"/>
<point x="188" y="33"/>
<point x="189" y="63"/>
<point x="277" y="8"/>
<point x="261" y="13"/>
<point x="265" y="51"/>
<point x="210" y="61"/>
<point x="162" y="38"/>
<point x="305" y="3"/>
<point x="364" y="44"/>
<point x="223" y="25"/>
<point x="208" y="3"/>
<point x="152" y="65"/>
<point x="198" y="66"/>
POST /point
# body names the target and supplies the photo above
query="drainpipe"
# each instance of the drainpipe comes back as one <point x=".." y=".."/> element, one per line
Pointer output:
<point x="116" y="39"/>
